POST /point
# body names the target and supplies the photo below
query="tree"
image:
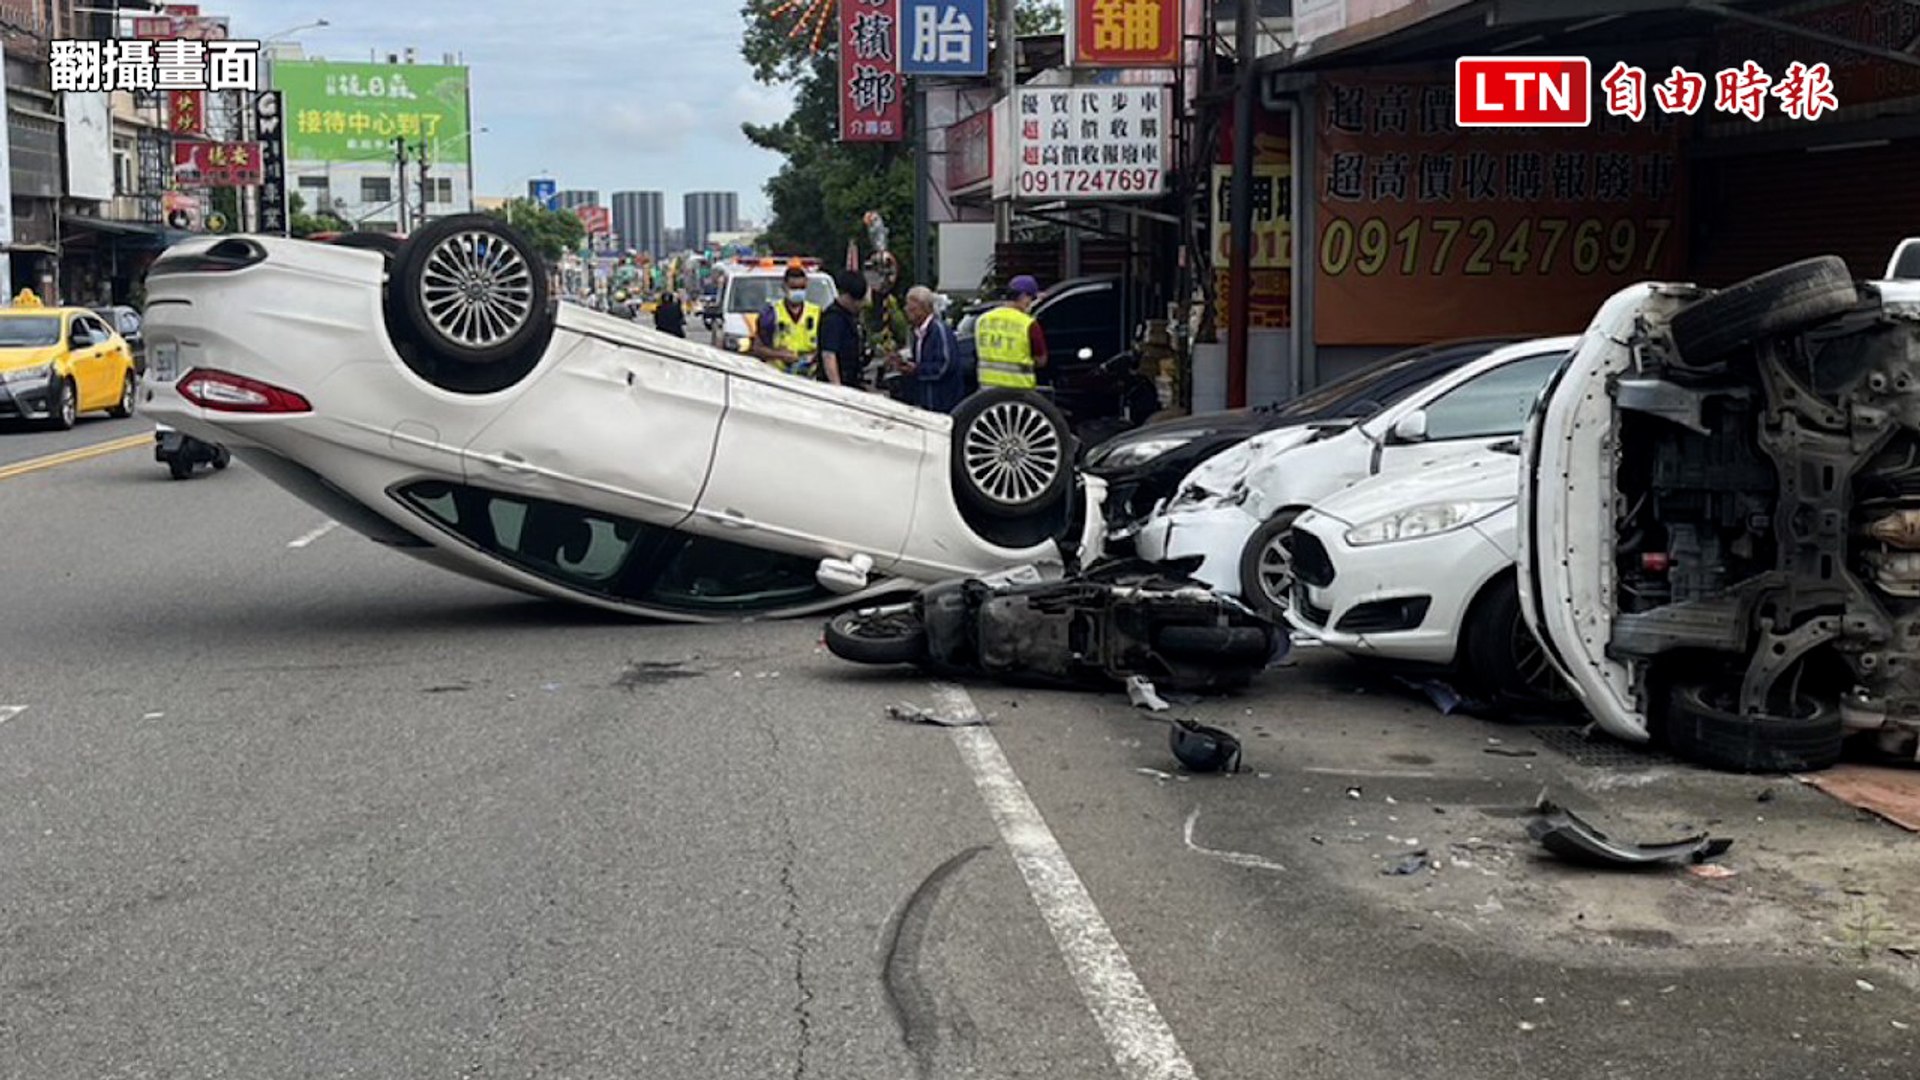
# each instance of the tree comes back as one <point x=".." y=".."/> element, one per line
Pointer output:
<point x="553" y="232"/>
<point x="1038" y="17"/>
<point x="825" y="186"/>
<point x="303" y="224"/>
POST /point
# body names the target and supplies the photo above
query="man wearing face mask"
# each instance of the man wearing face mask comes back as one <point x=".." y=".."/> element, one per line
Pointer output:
<point x="788" y="336"/>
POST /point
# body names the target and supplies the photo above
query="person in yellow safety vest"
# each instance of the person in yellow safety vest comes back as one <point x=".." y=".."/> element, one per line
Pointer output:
<point x="788" y="333"/>
<point x="1008" y="340"/>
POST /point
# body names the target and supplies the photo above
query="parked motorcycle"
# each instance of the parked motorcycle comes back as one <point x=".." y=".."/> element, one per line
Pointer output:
<point x="1098" y="629"/>
<point x="180" y="452"/>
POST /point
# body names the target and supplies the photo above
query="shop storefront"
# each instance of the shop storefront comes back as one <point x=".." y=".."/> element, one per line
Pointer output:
<point x="1411" y="230"/>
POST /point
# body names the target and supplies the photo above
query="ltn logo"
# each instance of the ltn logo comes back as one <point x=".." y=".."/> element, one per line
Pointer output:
<point x="1523" y="91"/>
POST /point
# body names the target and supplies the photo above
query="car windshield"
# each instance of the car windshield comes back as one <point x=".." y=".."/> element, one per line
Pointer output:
<point x="1378" y="385"/>
<point x="752" y="294"/>
<point x="25" y="331"/>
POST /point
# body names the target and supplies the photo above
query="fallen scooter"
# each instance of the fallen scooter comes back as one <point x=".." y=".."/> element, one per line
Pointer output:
<point x="1098" y="629"/>
<point x="180" y="452"/>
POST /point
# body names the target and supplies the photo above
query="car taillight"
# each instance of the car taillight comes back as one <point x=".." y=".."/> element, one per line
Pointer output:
<point x="1656" y="562"/>
<point x="223" y="391"/>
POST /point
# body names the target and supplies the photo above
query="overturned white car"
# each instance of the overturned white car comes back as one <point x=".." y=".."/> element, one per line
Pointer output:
<point x="433" y="398"/>
<point x="1720" y="518"/>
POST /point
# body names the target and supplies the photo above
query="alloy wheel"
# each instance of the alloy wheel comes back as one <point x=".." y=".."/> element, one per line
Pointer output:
<point x="1276" y="571"/>
<point x="477" y="289"/>
<point x="1012" y="453"/>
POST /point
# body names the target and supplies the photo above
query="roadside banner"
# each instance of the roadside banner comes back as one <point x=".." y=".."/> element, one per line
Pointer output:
<point x="1428" y="231"/>
<point x="1091" y="142"/>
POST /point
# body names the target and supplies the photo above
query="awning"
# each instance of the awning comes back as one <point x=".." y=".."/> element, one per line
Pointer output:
<point x="1417" y="30"/>
<point x="144" y="234"/>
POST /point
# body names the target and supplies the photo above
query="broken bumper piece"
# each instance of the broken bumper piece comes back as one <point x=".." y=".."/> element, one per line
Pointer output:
<point x="1563" y="833"/>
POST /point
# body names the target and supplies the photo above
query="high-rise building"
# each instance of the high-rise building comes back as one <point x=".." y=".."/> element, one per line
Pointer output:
<point x="574" y="198"/>
<point x="640" y="219"/>
<point x="709" y="212"/>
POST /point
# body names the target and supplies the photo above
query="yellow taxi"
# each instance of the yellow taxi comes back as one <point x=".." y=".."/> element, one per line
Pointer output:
<point x="58" y="362"/>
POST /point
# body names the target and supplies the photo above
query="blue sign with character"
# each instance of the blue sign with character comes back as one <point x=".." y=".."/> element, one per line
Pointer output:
<point x="546" y="193"/>
<point x="943" y="37"/>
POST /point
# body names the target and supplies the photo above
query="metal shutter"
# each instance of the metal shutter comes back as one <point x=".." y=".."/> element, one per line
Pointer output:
<point x="1755" y="213"/>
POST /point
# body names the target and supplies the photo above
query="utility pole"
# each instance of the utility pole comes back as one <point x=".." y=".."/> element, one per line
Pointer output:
<point x="922" y="155"/>
<point x="1008" y="35"/>
<point x="1240" y="281"/>
<point x="426" y="188"/>
<point x="400" y="183"/>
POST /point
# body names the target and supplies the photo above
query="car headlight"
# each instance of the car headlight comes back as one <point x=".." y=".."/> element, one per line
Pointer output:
<point x="32" y="374"/>
<point x="1428" y="520"/>
<point x="1139" y="453"/>
<point x="733" y="342"/>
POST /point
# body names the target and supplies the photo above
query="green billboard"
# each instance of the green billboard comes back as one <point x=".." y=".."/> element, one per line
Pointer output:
<point x="353" y="112"/>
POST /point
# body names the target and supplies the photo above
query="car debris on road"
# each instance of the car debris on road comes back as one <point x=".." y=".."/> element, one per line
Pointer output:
<point x="1567" y="835"/>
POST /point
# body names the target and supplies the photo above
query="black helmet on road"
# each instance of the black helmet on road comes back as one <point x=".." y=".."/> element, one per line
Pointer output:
<point x="1204" y="749"/>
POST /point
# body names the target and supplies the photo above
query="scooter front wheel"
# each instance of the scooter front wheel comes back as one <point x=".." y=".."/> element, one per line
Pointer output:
<point x="878" y="636"/>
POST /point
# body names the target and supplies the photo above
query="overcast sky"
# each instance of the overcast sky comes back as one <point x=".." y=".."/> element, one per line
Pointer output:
<point x="611" y="97"/>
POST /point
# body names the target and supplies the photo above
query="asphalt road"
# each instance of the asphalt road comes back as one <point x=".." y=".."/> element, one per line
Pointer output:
<point x="277" y="802"/>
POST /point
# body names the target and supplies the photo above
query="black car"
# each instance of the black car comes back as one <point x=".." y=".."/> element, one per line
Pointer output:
<point x="1145" y="465"/>
<point x="1091" y="374"/>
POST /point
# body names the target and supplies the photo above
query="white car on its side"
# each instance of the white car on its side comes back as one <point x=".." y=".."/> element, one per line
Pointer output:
<point x="1233" y="513"/>
<point x="436" y="400"/>
<point x="1720" y="518"/>
<point x="1418" y="567"/>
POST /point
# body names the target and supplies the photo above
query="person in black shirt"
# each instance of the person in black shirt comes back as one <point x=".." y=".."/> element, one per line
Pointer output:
<point x="668" y="318"/>
<point x="843" y="354"/>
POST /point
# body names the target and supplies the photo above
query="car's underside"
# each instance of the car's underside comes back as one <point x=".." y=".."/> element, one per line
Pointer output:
<point x="1767" y="518"/>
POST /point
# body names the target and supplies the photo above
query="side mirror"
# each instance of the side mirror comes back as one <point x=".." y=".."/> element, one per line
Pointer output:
<point x="1411" y="428"/>
<point x="844" y="577"/>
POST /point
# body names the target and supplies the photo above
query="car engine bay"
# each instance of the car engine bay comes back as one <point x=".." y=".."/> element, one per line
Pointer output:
<point x="1767" y="517"/>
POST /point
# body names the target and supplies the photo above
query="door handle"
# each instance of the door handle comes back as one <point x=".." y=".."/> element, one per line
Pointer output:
<point x="508" y="461"/>
<point x="734" y="519"/>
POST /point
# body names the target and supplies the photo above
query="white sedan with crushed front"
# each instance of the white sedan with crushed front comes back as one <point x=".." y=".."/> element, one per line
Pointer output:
<point x="1419" y="568"/>
<point x="1231" y="516"/>
<point x="433" y="397"/>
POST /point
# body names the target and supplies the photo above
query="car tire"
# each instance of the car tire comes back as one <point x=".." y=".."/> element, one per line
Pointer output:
<point x="129" y="399"/>
<point x="1503" y="659"/>
<point x="1780" y="301"/>
<point x="1265" y="577"/>
<point x="1013" y="454"/>
<point x="459" y="302"/>
<point x="1700" y="729"/>
<point x="878" y="637"/>
<point x="1214" y="644"/>
<point x="180" y="466"/>
<point x="222" y="457"/>
<point x="63" y="411"/>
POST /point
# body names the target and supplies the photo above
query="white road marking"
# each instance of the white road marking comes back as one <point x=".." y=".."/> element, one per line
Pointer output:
<point x="8" y="712"/>
<point x="1138" y="1038"/>
<point x="1237" y="858"/>
<point x="1373" y="774"/>
<point x="309" y="537"/>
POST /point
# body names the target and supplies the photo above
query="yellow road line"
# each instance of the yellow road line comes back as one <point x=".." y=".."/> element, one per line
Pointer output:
<point x="8" y="472"/>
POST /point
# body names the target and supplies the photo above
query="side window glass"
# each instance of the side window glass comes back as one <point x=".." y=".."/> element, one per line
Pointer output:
<point x="1494" y="404"/>
<point x="614" y="557"/>
<point x="580" y="548"/>
<point x="702" y="574"/>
